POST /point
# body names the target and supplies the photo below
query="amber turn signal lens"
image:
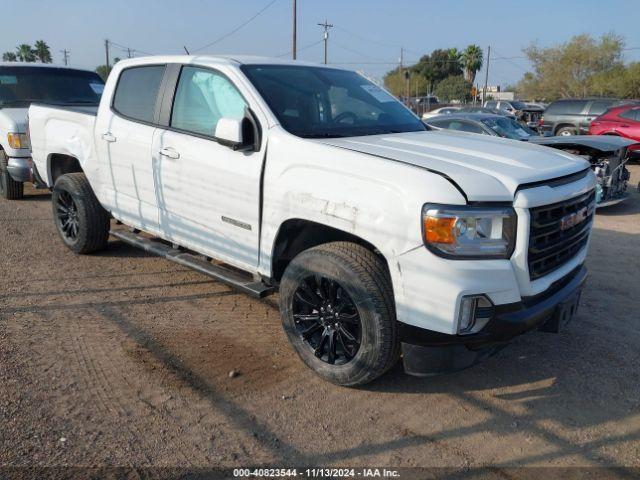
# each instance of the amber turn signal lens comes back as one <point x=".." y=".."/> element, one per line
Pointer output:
<point x="439" y="230"/>
<point x="14" y="141"/>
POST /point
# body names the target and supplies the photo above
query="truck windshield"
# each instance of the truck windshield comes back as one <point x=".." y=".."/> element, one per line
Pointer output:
<point x="19" y="86"/>
<point x="317" y="102"/>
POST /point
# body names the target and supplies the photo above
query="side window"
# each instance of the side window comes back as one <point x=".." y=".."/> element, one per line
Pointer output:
<point x="631" y="114"/>
<point x="137" y="92"/>
<point x="569" y="107"/>
<point x="598" y="107"/>
<point x="439" y="123"/>
<point x="202" y="98"/>
<point x="492" y="104"/>
<point x="469" y="127"/>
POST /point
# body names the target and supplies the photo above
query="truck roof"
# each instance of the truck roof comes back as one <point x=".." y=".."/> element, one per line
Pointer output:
<point x="217" y="60"/>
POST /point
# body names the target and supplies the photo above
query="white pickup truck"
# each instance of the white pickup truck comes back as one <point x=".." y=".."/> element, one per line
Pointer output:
<point x="383" y="238"/>
<point x="20" y="85"/>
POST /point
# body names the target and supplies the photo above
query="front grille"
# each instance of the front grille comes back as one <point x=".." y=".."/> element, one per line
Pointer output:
<point x="550" y="247"/>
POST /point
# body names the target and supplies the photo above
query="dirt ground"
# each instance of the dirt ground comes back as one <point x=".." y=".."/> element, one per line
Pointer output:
<point x="122" y="358"/>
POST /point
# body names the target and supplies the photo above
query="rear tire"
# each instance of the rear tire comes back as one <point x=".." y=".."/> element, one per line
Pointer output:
<point x="82" y="223"/>
<point x="9" y="188"/>
<point x="566" y="131"/>
<point x="341" y="293"/>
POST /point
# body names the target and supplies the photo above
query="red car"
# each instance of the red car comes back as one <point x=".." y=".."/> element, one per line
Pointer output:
<point x="623" y="121"/>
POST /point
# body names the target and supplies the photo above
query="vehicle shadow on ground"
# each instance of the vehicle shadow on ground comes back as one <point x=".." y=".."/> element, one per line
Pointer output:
<point x="630" y="206"/>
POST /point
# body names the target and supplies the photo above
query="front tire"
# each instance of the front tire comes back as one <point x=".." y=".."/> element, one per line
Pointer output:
<point x="9" y="188"/>
<point x="338" y="312"/>
<point x="82" y="223"/>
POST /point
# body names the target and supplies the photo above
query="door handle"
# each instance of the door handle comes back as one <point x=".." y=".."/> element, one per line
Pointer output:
<point x="169" y="153"/>
<point x="108" y="137"/>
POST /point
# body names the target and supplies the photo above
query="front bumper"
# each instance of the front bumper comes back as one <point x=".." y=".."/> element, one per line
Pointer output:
<point x="20" y="168"/>
<point x="427" y="353"/>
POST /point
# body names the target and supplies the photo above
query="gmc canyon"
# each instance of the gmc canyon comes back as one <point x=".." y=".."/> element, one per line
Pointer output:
<point x="384" y="239"/>
<point x="20" y="85"/>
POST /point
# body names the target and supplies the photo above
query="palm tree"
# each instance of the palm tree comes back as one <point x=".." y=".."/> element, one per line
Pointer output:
<point x="42" y="51"/>
<point x="9" y="57"/>
<point x="471" y="61"/>
<point x="25" y="53"/>
<point x="454" y="56"/>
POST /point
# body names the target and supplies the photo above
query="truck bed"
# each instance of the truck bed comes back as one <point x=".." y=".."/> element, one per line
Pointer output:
<point x="60" y="130"/>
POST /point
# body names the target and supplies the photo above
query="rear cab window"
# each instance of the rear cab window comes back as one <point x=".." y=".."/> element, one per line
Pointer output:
<point x="21" y="85"/>
<point x="137" y="92"/>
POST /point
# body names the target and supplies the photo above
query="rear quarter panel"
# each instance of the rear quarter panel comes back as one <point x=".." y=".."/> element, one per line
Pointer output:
<point x="61" y="131"/>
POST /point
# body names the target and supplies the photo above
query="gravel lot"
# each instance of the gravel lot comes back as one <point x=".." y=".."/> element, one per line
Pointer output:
<point x="123" y="359"/>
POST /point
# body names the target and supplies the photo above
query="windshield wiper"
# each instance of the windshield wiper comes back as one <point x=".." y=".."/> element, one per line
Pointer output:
<point x="322" y="135"/>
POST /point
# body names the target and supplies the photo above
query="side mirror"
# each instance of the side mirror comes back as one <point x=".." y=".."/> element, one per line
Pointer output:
<point x="229" y="132"/>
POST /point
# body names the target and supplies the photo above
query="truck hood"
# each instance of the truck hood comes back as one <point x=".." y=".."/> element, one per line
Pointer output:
<point x="13" y="120"/>
<point x="486" y="168"/>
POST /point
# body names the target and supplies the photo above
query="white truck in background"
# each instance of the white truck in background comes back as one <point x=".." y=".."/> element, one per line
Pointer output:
<point x="20" y="85"/>
<point x="382" y="237"/>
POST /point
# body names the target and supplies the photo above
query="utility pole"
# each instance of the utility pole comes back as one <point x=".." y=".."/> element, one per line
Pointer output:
<point x="294" y="49"/>
<point x="106" y="51"/>
<point x="128" y="52"/>
<point x="486" y="76"/>
<point x="325" y="36"/>
<point x="400" y="68"/>
<point x="65" y="56"/>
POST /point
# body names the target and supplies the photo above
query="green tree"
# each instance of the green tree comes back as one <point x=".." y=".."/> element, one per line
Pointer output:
<point x="9" y="57"/>
<point x="570" y="69"/>
<point x="453" y="88"/>
<point x="471" y="59"/>
<point x="42" y="51"/>
<point x="439" y="65"/>
<point x="397" y="83"/>
<point x="25" y="53"/>
<point x="104" y="71"/>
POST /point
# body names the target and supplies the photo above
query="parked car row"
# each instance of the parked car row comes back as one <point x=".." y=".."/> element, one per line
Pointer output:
<point x="382" y="236"/>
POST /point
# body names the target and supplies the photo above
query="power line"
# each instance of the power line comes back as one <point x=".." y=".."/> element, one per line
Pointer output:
<point x="130" y="50"/>
<point x="302" y="49"/>
<point x="228" y="34"/>
<point x="388" y="45"/>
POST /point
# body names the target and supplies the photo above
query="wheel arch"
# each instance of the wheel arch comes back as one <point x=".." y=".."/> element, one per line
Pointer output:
<point x="563" y="125"/>
<point x="60" y="164"/>
<point x="297" y="234"/>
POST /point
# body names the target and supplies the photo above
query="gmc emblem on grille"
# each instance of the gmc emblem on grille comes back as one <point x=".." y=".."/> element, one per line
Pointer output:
<point x="574" y="219"/>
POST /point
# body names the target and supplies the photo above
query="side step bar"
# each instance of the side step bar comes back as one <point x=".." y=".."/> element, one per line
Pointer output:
<point x="243" y="283"/>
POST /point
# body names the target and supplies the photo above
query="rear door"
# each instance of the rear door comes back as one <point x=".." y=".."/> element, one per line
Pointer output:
<point x="123" y="139"/>
<point x="208" y="194"/>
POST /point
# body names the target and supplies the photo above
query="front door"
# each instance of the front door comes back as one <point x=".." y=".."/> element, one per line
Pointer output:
<point x="208" y="194"/>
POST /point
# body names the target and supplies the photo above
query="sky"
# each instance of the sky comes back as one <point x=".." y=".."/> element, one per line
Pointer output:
<point x="367" y="35"/>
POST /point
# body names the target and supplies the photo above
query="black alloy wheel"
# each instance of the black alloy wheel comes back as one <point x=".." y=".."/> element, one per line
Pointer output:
<point x="327" y="320"/>
<point x="67" y="216"/>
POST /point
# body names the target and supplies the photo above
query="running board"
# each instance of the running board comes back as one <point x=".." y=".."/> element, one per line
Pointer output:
<point x="225" y="275"/>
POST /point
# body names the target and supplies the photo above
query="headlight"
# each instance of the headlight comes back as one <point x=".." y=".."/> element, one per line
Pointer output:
<point x="467" y="232"/>
<point x="18" y="141"/>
